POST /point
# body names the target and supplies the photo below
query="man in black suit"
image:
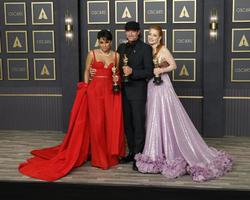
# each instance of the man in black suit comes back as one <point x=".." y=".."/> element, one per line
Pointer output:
<point x="139" y="69"/>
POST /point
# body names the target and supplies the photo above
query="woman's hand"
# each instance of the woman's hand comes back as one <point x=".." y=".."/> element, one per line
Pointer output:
<point x="157" y="71"/>
<point x="92" y="72"/>
<point x="164" y="64"/>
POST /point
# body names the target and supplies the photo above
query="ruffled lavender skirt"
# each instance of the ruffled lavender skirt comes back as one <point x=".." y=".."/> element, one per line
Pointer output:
<point x="173" y="146"/>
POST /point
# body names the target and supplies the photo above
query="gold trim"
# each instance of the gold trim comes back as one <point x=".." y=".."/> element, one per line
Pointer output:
<point x="24" y="9"/>
<point x="1" y="69"/>
<point x="233" y="16"/>
<point x="31" y="95"/>
<point x="53" y="40"/>
<point x="236" y="98"/>
<point x="185" y="22"/>
<point x="89" y="2"/>
<point x="183" y="30"/>
<point x="238" y="29"/>
<point x="52" y="13"/>
<point x="136" y="9"/>
<point x="233" y="80"/>
<point x="27" y="67"/>
<point x="164" y="32"/>
<point x="186" y="80"/>
<point x="26" y="41"/>
<point x="89" y="37"/>
<point x="191" y="97"/>
<point x="54" y="69"/>
<point x="165" y="11"/>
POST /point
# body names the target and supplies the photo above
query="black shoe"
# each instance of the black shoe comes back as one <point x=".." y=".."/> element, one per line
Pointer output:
<point x="127" y="159"/>
<point x="135" y="168"/>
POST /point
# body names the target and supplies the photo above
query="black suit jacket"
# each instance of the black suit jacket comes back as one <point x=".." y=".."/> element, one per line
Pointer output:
<point x="140" y="60"/>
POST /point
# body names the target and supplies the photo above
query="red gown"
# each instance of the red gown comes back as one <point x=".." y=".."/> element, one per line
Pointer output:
<point x="95" y="129"/>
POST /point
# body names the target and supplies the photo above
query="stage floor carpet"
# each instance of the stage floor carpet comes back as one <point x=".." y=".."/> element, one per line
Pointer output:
<point x="16" y="145"/>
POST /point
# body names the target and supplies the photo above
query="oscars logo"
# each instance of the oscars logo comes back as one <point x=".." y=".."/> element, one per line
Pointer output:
<point x="42" y="15"/>
<point x="243" y="42"/>
<point x="17" y="43"/>
<point x="184" y="71"/>
<point x="126" y="13"/>
<point x="184" y="13"/>
<point x="45" y="71"/>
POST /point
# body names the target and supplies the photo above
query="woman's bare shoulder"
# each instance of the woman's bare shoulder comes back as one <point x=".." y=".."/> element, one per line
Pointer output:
<point x="164" y="49"/>
<point x="91" y="52"/>
<point x="117" y="53"/>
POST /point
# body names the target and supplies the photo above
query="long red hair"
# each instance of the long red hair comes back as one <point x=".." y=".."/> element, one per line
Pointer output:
<point x="159" y="29"/>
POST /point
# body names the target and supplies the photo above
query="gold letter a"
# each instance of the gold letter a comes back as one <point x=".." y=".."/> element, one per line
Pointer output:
<point x="243" y="42"/>
<point x="126" y="13"/>
<point x="45" y="70"/>
<point x="184" y="13"/>
<point x="17" y="43"/>
<point x="42" y="15"/>
<point x="184" y="71"/>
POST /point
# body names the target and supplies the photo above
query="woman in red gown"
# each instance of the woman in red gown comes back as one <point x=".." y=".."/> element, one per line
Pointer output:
<point x="95" y="125"/>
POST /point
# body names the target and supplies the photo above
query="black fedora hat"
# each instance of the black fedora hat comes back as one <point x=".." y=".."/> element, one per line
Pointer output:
<point x="132" y="26"/>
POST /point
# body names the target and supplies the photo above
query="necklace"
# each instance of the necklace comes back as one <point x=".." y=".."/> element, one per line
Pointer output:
<point x="105" y="54"/>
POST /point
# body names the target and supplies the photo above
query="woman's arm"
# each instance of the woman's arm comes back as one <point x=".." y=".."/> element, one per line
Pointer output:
<point x="88" y="64"/>
<point x="117" y="61"/>
<point x="168" y="63"/>
<point x="117" y="77"/>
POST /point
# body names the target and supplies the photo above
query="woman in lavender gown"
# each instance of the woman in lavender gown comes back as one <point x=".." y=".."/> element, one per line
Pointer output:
<point x="173" y="146"/>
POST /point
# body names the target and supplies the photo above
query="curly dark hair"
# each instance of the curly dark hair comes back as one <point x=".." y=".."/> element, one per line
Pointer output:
<point x="104" y="34"/>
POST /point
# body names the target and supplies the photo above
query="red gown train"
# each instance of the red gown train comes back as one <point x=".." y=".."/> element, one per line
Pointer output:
<point x="95" y="129"/>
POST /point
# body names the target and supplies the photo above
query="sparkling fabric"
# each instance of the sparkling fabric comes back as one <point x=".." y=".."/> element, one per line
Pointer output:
<point x="173" y="146"/>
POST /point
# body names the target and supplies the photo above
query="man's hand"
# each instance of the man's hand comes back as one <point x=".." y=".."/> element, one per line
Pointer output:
<point x="127" y="70"/>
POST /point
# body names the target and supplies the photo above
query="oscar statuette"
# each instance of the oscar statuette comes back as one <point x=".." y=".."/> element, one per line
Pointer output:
<point x="116" y="87"/>
<point x="125" y="63"/>
<point x="157" y="79"/>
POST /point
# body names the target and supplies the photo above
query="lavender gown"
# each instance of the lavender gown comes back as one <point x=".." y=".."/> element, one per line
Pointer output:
<point x="173" y="146"/>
